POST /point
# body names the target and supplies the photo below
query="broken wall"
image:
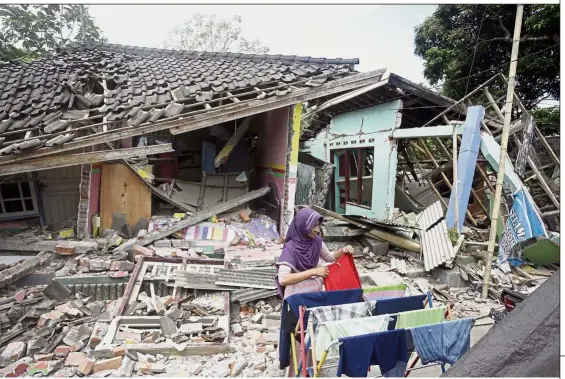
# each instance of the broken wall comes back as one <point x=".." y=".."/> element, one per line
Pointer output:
<point x="60" y="196"/>
<point x="367" y="128"/>
<point x="271" y="154"/>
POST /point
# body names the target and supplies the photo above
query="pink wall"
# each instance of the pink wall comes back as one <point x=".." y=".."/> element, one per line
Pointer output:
<point x="94" y="199"/>
<point x="272" y="130"/>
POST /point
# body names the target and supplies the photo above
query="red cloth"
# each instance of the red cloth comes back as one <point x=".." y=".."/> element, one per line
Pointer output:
<point x="343" y="275"/>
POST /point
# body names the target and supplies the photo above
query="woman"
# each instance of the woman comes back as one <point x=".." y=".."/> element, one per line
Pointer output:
<point x="300" y="268"/>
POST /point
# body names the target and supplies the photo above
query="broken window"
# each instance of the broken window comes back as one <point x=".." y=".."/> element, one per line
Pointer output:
<point x="355" y="166"/>
<point x="17" y="199"/>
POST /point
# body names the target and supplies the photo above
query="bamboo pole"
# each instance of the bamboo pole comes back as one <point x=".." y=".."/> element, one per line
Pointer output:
<point x="503" y="146"/>
<point x="455" y="181"/>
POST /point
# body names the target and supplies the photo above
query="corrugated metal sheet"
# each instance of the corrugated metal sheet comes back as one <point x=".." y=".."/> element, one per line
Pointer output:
<point x="258" y="278"/>
<point x="251" y="294"/>
<point x="436" y="245"/>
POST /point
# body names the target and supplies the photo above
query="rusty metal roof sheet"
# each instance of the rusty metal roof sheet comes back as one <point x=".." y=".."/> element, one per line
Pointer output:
<point x="436" y="245"/>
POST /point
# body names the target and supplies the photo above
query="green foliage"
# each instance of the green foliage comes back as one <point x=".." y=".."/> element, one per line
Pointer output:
<point x="205" y="32"/>
<point x="547" y="120"/>
<point x="447" y="40"/>
<point x="453" y="236"/>
<point x="29" y="31"/>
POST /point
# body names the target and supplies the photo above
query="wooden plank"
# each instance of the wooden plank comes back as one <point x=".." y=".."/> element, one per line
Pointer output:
<point x="122" y="192"/>
<point x="379" y="234"/>
<point x="224" y="154"/>
<point x="64" y="160"/>
<point x="201" y="216"/>
<point x="205" y="119"/>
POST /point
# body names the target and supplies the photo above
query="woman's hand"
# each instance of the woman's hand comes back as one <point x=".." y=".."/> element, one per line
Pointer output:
<point x="346" y="250"/>
<point x="321" y="271"/>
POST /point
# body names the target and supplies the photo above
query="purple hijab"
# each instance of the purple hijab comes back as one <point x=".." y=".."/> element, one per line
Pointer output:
<point x="300" y="252"/>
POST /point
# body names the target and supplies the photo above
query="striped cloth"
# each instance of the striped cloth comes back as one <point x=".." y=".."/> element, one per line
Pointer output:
<point x="342" y="312"/>
<point x="384" y="292"/>
<point x="339" y="312"/>
<point x="207" y="232"/>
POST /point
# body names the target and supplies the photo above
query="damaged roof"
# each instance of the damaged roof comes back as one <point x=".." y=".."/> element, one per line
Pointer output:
<point x="43" y="102"/>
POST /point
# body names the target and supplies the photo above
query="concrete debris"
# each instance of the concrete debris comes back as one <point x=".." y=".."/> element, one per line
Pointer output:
<point x="57" y="291"/>
<point x="205" y="306"/>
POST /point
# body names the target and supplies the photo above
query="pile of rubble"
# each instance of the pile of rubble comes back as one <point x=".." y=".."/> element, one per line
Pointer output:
<point x="199" y="307"/>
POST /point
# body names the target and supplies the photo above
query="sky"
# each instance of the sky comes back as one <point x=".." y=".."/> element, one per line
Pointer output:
<point x="381" y="36"/>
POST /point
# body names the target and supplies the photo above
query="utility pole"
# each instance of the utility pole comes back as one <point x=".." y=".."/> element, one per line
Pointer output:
<point x="503" y="146"/>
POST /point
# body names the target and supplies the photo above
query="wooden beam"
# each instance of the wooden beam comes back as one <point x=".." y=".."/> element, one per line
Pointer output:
<point x="347" y="96"/>
<point x="373" y="231"/>
<point x="224" y="154"/>
<point x="67" y="160"/>
<point x="446" y="180"/>
<point x="204" y="119"/>
<point x="200" y="216"/>
<point x="250" y="108"/>
<point x="493" y="104"/>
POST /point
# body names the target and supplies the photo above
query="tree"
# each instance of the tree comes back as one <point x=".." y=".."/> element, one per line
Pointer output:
<point x="205" y="32"/>
<point x="471" y="43"/>
<point x="31" y="31"/>
<point x="547" y="119"/>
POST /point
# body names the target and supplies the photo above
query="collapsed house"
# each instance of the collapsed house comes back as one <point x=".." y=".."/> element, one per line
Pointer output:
<point x="164" y="180"/>
<point x="392" y="147"/>
<point x="188" y="125"/>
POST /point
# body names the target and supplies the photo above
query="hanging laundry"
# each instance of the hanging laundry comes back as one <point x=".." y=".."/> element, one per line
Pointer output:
<point x="386" y="349"/>
<point x="384" y="292"/>
<point x="445" y="342"/>
<point x="343" y="275"/>
<point x="401" y="304"/>
<point x="420" y="317"/>
<point x="332" y="330"/>
<point x="289" y="314"/>
<point x="342" y="311"/>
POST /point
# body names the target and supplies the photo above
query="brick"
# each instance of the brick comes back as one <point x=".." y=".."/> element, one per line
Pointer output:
<point x="65" y="250"/>
<point x="12" y="353"/>
<point x="119" y="351"/>
<point x="85" y="367"/>
<point x="20" y="296"/>
<point x="62" y="351"/>
<point x="107" y="364"/>
<point x="244" y="216"/>
<point x="142" y="250"/>
<point x="16" y="369"/>
<point x="50" y="318"/>
<point x="75" y="359"/>
<point x="150" y="368"/>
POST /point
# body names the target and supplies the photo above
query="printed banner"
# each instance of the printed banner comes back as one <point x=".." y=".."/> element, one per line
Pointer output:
<point x="523" y="223"/>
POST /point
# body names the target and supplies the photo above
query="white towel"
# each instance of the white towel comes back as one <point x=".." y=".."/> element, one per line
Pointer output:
<point x="332" y="330"/>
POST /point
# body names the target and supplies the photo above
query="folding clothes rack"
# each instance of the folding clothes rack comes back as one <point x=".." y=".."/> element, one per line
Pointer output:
<point x="408" y="370"/>
<point x="306" y="346"/>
